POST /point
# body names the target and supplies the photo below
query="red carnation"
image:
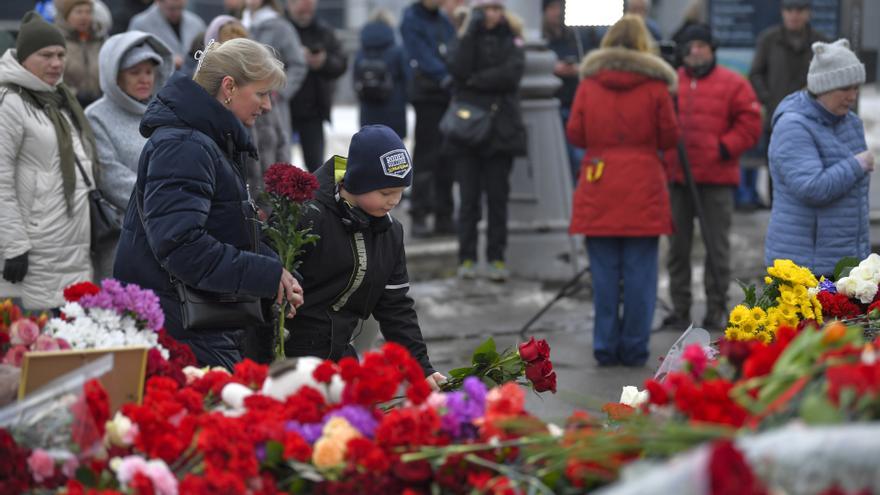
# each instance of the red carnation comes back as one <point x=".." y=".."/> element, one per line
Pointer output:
<point x="729" y="473"/>
<point x="293" y="183"/>
<point x="73" y="293"/>
<point x="296" y="448"/>
<point x="657" y="393"/>
<point x="837" y="306"/>
<point x="250" y="374"/>
<point x="98" y="402"/>
<point x="325" y="371"/>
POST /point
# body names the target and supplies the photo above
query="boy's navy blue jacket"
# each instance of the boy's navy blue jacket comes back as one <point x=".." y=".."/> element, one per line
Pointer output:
<point x="348" y="276"/>
<point x="197" y="224"/>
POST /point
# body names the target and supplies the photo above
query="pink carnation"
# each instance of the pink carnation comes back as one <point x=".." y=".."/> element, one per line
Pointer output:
<point x="696" y="357"/>
<point x="46" y="343"/>
<point x="42" y="466"/>
<point x="15" y="355"/>
<point x="23" y="332"/>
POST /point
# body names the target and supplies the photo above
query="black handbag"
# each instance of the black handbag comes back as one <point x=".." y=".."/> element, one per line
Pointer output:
<point x="467" y="123"/>
<point x="106" y="218"/>
<point x="206" y="310"/>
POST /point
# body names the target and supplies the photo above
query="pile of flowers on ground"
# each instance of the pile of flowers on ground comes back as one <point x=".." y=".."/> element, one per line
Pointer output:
<point x="20" y="333"/>
<point x="788" y="298"/>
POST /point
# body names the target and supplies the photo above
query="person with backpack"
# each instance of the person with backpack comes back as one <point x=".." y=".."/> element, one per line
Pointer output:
<point x="381" y="75"/>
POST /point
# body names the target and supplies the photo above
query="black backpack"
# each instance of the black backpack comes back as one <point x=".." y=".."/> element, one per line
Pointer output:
<point x="373" y="81"/>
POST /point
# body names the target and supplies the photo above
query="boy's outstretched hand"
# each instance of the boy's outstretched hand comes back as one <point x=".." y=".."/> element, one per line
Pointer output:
<point x="435" y="380"/>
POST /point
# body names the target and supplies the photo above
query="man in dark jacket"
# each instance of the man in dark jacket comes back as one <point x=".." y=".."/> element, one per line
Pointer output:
<point x="310" y="107"/>
<point x="358" y="267"/>
<point x="427" y="36"/>
<point x="782" y="59"/>
<point x="720" y="119"/>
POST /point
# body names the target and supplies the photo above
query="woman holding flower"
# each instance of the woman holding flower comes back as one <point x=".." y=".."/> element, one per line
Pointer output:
<point x="191" y="218"/>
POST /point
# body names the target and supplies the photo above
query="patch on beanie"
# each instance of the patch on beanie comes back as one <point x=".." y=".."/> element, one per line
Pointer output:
<point x="396" y="163"/>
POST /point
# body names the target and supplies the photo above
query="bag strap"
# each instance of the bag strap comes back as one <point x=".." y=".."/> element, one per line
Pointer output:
<point x="82" y="171"/>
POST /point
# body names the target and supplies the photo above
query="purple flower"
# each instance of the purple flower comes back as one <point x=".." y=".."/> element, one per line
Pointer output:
<point x="310" y="432"/>
<point x="142" y="304"/>
<point x="828" y="286"/>
<point x="358" y="416"/>
<point x="462" y="408"/>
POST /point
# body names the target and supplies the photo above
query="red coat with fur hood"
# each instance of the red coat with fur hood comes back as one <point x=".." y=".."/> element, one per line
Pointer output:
<point x="623" y="115"/>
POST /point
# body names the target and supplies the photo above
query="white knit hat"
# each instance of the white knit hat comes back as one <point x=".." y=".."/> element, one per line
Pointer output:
<point x="834" y="66"/>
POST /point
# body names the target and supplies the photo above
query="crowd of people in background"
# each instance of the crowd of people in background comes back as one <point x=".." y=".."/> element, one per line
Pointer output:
<point x="654" y="139"/>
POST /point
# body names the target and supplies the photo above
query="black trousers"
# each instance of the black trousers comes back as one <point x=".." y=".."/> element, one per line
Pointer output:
<point x="478" y="175"/>
<point x="311" y="139"/>
<point x="434" y="172"/>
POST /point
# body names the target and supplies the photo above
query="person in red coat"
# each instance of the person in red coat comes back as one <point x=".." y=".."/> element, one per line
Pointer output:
<point x="720" y="119"/>
<point x="623" y="115"/>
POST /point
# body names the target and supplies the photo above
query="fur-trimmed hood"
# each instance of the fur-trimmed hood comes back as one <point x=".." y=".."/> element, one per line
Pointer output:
<point x="626" y="60"/>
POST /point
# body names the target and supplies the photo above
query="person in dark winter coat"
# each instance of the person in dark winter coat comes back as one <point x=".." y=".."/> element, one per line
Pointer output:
<point x="720" y="119"/>
<point x="381" y="102"/>
<point x="358" y="266"/>
<point x="428" y="37"/>
<point x="623" y="115"/>
<point x="779" y="68"/>
<point x="488" y="65"/>
<point x="821" y="167"/>
<point x="327" y="62"/>
<point x="190" y="217"/>
<point x="570" y="45"/>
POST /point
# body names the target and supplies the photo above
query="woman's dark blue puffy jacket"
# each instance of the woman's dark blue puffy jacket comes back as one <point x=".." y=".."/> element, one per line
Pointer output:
<point x="197" y="225"/>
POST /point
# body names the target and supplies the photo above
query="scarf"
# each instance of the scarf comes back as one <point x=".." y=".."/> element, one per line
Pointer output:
<point x="53" y="103"/>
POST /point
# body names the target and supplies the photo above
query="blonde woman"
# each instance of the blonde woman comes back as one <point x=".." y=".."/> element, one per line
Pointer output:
<point x="190" y="217"/>
<point x="623" y="115"/>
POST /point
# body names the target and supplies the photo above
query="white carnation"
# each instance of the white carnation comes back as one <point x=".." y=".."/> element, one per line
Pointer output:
<point x="861" y="273"/>
<point x="631" y="396"/>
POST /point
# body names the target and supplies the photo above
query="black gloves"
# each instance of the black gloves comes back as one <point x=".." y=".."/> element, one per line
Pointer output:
<point x="16" y="268"/>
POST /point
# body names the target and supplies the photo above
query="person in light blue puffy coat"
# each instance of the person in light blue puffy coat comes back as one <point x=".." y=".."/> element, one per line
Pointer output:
<point x="820" y="167"/>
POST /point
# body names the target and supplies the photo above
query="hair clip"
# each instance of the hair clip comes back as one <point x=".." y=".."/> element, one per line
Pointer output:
<point x="199" y="56"/>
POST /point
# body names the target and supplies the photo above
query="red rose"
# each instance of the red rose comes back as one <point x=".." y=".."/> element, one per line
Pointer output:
<point x="75" y="292"/>
<point x="534" y="350"/>
<point x="542" y="376"/>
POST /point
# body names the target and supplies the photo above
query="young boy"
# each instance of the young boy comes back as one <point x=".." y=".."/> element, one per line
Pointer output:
<point x="358" y="267"/>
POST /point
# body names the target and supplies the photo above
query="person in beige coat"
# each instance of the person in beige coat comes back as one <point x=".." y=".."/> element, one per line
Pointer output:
<point x="45" y="148"/>
<point x="75" y="19"/>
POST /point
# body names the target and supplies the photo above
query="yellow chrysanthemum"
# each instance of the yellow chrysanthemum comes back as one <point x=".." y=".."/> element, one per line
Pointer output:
<point x="748" y="326"/>
<point x="758" y="314"/>
<point x="787" y="312"/>
<point x="768" y="280"/>
<point x="787" y="297"/>
<point x="739" y="314"/>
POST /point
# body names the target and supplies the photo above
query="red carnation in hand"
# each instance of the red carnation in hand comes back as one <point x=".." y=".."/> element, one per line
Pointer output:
<point x="295" y="184"/>
<point x="75" y="292"/>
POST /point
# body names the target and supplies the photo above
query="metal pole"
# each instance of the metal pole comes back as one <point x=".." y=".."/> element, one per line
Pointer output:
<point x="698" y="209"/>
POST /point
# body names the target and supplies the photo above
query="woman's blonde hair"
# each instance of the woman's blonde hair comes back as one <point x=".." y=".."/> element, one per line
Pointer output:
<point x="629" y="32"/>
<point x="244" y="60"/>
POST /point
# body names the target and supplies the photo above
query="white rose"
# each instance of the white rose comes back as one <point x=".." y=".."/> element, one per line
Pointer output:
<point x="865" y="291"/>
<point x="847" y="286"/>
<point x="861" y="273"/>
<point x="631" y="396"/>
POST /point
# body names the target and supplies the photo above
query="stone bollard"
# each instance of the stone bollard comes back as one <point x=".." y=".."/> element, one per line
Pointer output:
<point x="539" y="247"/>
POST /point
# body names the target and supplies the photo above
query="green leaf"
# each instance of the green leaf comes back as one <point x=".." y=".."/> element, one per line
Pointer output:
<point x="485" y="353"/>
<point x="817" y="409"/>
<point x="274" y="453"/>
<point x="842" y="268"/>
<point x="460" y="372"/>
<point x="749" y="293"/>
<point x="87" y="477"/>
